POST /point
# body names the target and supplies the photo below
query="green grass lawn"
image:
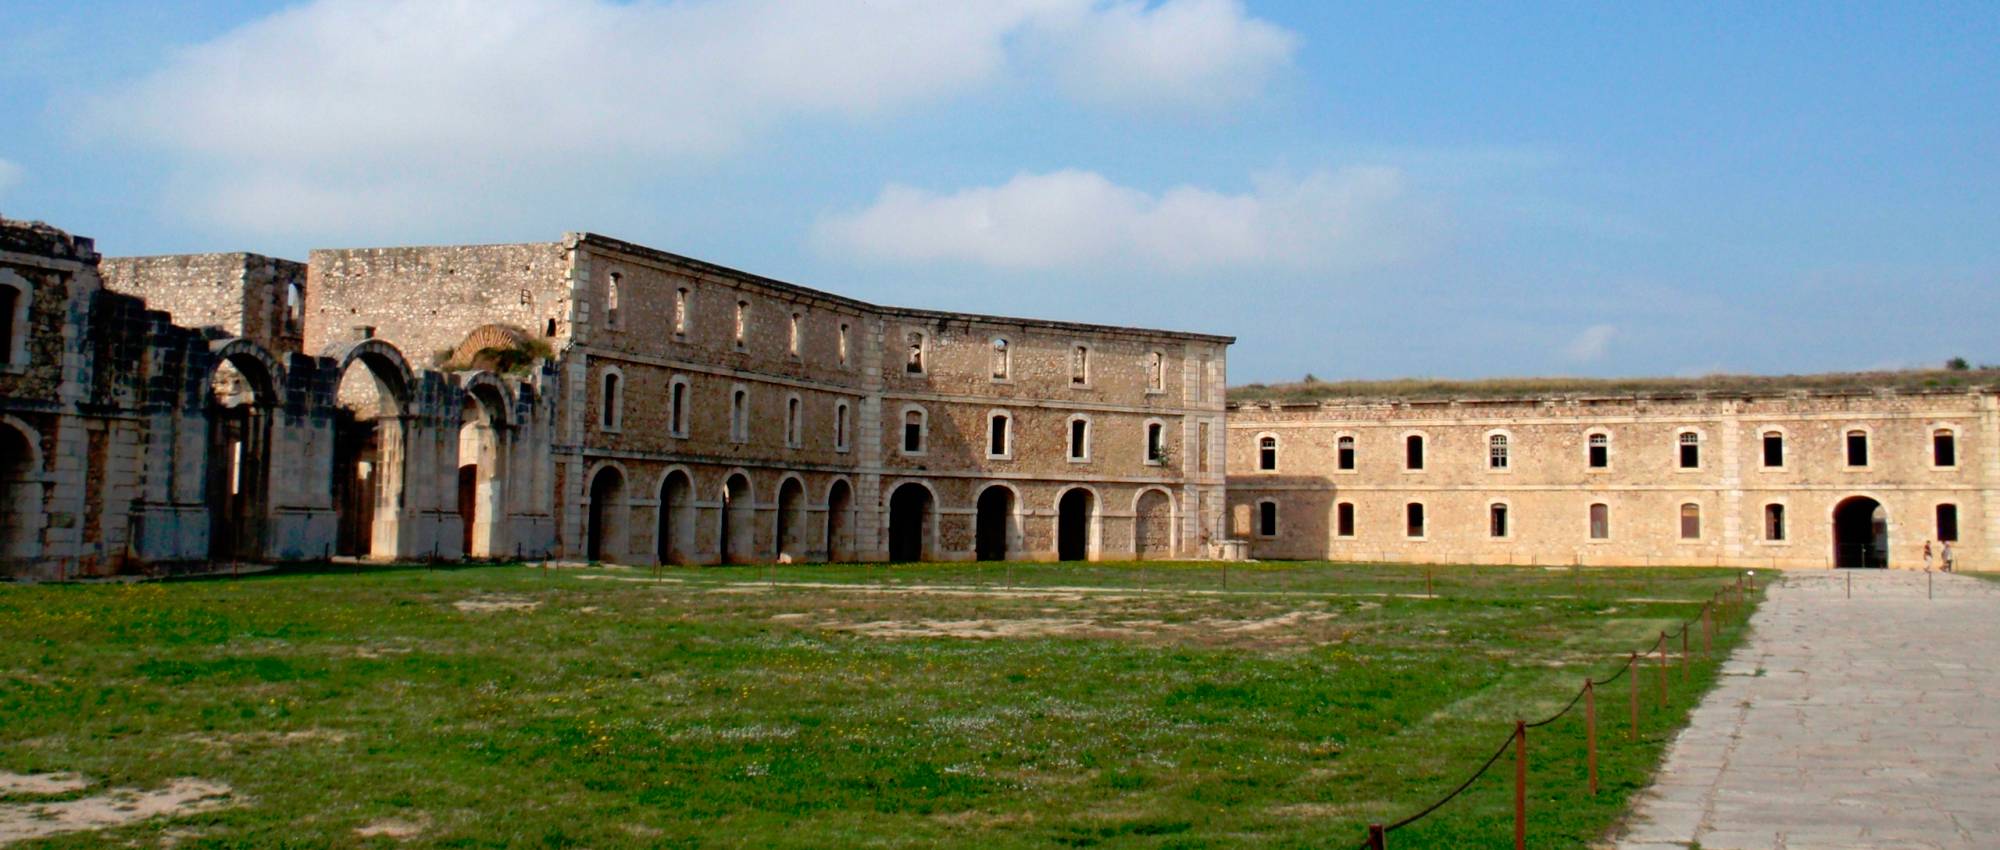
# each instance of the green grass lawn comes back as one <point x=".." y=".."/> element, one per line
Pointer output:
<point x="811" y="706"/>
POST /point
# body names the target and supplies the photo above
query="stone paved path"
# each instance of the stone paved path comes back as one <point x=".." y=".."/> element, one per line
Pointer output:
<point x="1870" y="722"/>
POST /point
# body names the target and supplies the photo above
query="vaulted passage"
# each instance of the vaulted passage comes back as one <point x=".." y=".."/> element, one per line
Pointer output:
<point x="840" y="522"/>
<point x="20" y="497"/>
<point x="241" y="400"/>
<point x="673" y="539"/>
<point x="605" y="537"/>
<point x="1153" y="526"/>
<point x="368" y="457"/>
<point x="483" y="440"/>
<point x="1860" y="533"/>
<point x="996" y="523"/>
<point x="909" y="523"/>
<point x="1073" y="525"/>
<point x="737" y="535"/>
<point x="791" y="517"/>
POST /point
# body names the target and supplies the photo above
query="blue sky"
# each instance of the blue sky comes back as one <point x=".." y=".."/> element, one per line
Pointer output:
<point x="1354" y="190"/>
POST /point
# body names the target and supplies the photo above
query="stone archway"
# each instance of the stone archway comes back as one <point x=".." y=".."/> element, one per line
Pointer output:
<point x="1860" y="533"/>
<point x="736" y="538"/>
<point x="242" y="400"/>
<point x="20" y="495"/>
<point x="910" y="522"/>
<point x="604" y="538"/>
<point x="674" y="540"/>
<point x="840" y="521"/>
<point x="1153" y="525"/>
<point x="1076" y="518"/>
<point x="484" y="442"/>
<point x="994" y="534"/>
<point x="790" y="533"/>
<point x="370" y="454"/>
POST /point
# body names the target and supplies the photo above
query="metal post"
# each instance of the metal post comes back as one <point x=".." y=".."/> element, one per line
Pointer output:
<point x="1590" y="731"/>
<point x="1520" y="785"/>
<point x="1663" y="669"/>
<point x="1377" y="838"/>
<point x="1632" y="667"/>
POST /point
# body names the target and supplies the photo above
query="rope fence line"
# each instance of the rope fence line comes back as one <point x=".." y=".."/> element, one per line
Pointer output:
<point x="1727" y="602"/>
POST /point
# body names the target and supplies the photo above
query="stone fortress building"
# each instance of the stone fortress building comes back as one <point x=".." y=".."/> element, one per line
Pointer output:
<point x="595" y="399"/>
<point x="587" y="398"/>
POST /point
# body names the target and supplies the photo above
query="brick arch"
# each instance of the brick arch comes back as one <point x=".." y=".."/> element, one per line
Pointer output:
<point x="257" y="365"/>
<point x="488" y="389"/>
<point x="384" y="360"/>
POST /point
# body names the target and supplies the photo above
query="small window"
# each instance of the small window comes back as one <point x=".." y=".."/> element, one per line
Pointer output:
<point x="913" y="361"/>
<point x="1156" y="442"/>
<point x="1947" y="523"/>
<point x="840" y="427"/>
<point x="1774" y="522"/>
<point x="1600" y="521"/>
<point x="611" y="300"/>
<point x="1413" y="452"/>
<point x="1344" y="453"/>
<point x="1343" y="519"/>
<point x="551" y="328"/>
<point x="793" y="427"/>
<point x="677" y="403"/>
<point x="1079" y="366"/>
<point x="1774" y="449"/>
<point x="1413" y="516"/>
<point x="295" y="308"/>
<point x="1267" y="519"/>
<point x="10" y="303"/>
<point x="1496" y="451"/>
<point x="1944" y="448"/>
<point x="1600" y="451"/>
<point x="1857" y="448"/>
<point x="1156" y="372"/>
<point x="1497" y="520"/>
<point x="792" y="344"/>
<point x="681" y="311"/>
<point x="1690" y="450"/>
<point x="1001" y="364"/>
<point x="843" y="343"/>
<point x="1079" y="439"/>
<point x="742" y="324"/>
<point x="1690" y="521"/>
<point x="739" y="415"/>
<point x="913" y="431"/>
<point x="1267" y="453"/>
<point x="998" y="436"/>
<point x="611" y="402"/>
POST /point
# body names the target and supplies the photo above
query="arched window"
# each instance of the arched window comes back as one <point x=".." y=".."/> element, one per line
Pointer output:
<point x="1947" y="523"/>
<point x="739" y="414"/>
<point x="1079" y="439"/>
<point x="1000" y="435"/>
<point x="840" y="427"/>
<point x="610" y="401"/>
<point x="295" y="307"/>
<point x="1496" y="515"/>
<point x="681" y="311"/>
<point x="843" y="343"/>
<point x="1413" y="519"/>
<point x="916" y="426"/>
<point x="1344" y="452"/>
<point x="1267" y="518"/>
<point x="1156" y="442"/>
<point x="1857" y="447"/>
<point x="1267" y="453"/>
<point x="1600" y="451"/>
<point x="677" y="407"/>
<point x="1343" y="519"/>
<point x="794" y="427"/>
<point x="1690" y="450"/>
<point x="1413" y="452"/>
<point x="1690" y="521"/>
<point x="1774" y="449"/>
<point x="1001" y="363"/>
<point x="1496" y="451"/>
<point x="1944" y="447"/>
<point x="1600" y="521"/>
<point x="1774" y="522"/>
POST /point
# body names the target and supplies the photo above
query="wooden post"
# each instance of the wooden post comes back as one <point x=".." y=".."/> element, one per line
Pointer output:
<point x="1377" y="839"/>
<point x="1632" y="667"/>
<point x="1707" y="630"/>
<point x="1686" y="671"/>
<point x="1590" y="731"/>
<point x="1428" y="593"/>
<point x="1663" y="669"/>
<point x="1520" y="785"/>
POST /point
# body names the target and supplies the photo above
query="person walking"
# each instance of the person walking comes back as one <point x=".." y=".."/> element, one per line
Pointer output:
<point x="1927" y="556"/>
<point x="1946" y="555"/>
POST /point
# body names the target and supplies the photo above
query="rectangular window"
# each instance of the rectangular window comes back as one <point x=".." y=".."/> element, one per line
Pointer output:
<point x="1079" y="366"/>
<point x="913" y="356"/>
<point x="1156" y="372"/>
<point x="913" y="432"/>
<point x="681" y="311"/>
<point x="1156" y="446"/>
<point x="1690" y="521"/>
<point x="1857" y="448"/>
<point x="1600" y="522"/>
<point x="739" y="416"/>
<point x="1774" y="449"/>
<point x="1690" y="451"/>
<point x="1267" y="519"/>
<point x="1774" y="522"/>
<point x="840" y="427"/>
<point x="1201" y="381"/>
<point x="677" y="409"/>
<point x="1413" y="452"/>
<point x="843" y="343"/>
<point x="793" y="343"/>
<point x="742" y="322"/>
<point x="1002" y="360"/>
<point x="1344" y="453"/>
<point x="1267" y="454"/>
<point x="611" y="301"/>
<point x="1201" y="446"/>
<point x="996" y="438"/>
<point x="1600" y="451"/>
<point x="792" y="423"/>
<point x="1497" y="521"/>
<point x="1496" y="453"/>
<point x="1944" y="449"/>
<point x="1413" y="515"/>
<point x="1079" y="439"/>
<point x="1343" y="519"/>
<point x="1947" y="523"/>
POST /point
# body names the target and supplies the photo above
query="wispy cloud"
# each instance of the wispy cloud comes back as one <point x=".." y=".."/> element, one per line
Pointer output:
<point x="350" y="104"/>
<point x="1079" y="219"/>
<point x="1592" y="344"/>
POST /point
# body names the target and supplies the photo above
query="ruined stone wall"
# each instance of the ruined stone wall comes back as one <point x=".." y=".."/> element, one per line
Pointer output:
<point x="1548" y="483"/>
<point x="246" y="295"/>
<point x="427" y="300"/>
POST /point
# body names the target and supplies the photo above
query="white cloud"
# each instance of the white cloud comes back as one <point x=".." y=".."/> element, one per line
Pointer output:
<point x="1591" y="344"/>
<point x="347" y="101"/>
<point x="1351" y="217"/>
<point x="10" y="175"/>
<point x="1200" y="53"/>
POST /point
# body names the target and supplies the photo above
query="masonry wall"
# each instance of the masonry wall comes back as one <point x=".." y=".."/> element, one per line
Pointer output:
<point x="428" y="300"/>
<point x="1548" y="485"/>
<point x="245" y="295"/>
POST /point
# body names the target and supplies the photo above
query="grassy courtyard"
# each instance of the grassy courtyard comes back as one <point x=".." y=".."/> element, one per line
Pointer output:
<point x="804" y="706"/>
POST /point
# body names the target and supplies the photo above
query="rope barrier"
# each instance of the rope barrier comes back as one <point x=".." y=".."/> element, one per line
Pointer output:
<point x="1455" y="791"/>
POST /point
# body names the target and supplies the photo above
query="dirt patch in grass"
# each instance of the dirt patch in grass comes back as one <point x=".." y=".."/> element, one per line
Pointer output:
<point x="486" y="604"/>
<point x="401" y="829"/>
<point x="41" y="783"/>
<point x="113" y="808"/>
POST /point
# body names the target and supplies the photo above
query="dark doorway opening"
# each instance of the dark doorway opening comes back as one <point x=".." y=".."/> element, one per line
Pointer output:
<point x="791" y="519"/>
<point x="1073" y="525"/>
<point x="996" y="523"/>
<point x="839" y="522"/>
<point x="909" y="523"/>
<point x="1860" y="534"/>
<point x="736" y="538"/>
<point x="676" y="519"/>
<point x="606" y="524"/>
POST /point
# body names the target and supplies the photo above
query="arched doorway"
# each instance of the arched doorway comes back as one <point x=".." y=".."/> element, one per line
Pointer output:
<point x="738" y="533"/>
<point x="20" y="496"/>
<point x="241" y="398"/>
<point x="673" y="540"/>
<point x="368" y="452"/>
<point x="1153" y="525"/>
<point x="482" y="472"/>
<point x="840" y="521"/>
<point x="791" y="519"/>
<point x="1860" y="533"/>
<point x="604" y="539"/>
<point x="1076" y="514"/>
<point x="995" y="523"/>
<point x="909" y="523"/>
